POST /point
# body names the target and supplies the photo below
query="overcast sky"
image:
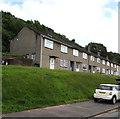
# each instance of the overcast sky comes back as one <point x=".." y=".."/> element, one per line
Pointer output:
<point x="83" y="20"/>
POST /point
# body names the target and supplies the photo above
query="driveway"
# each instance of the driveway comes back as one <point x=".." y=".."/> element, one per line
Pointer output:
<point x="81" y="109"/>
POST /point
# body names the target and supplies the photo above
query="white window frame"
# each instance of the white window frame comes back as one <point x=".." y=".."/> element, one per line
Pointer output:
<point x="48" y="44"/>
<point x="33" y="56"/>
<point x="103" y="70"/>
<point x="108" y="71"/>
<point x="103" y="62"/>
<point x="111" y="64"/>
<point x="98" y="60"/>
<point x="27" y="56"/>
<point x="75" y="52"/>
<point x="115" y="66"/>
<point x="63" y="63"/>
<point x="84" y="55"/>
<point x="64" y="49"/>
<point x="92" y="58"/>
<point x="98" y="69"/>
<point x="108" y="63"/>
<point x="84" y="66"/>
<point x="112" y="72"/>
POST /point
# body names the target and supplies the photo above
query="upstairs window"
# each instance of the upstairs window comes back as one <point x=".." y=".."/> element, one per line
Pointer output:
<point x="92" y="58"/>
<point x="63" y="63"/>
<point x="98" y="60"/>
<point x="108" y="63"/>
<point x="115" y="66"/>
<point x="84" y="55"/>
<point x="63" y="49"/>
<point x="111" y="64"/>
<point x="48" y="44"/>
<point x="103" y="62"/>
<point x="75" y="52"/>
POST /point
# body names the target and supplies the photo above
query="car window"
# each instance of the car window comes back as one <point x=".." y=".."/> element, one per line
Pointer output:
<point x="115" y="88"/>
<point x="104" y="87"/>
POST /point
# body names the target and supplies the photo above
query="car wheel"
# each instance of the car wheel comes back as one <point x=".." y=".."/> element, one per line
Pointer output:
<point x="95" y="99"/>
<point x="113" y="101"/>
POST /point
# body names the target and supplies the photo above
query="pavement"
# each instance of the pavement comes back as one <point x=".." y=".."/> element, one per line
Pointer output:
<point x="87" y="109"/>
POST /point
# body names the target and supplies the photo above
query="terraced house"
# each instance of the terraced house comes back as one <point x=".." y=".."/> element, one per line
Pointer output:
<point x="49" y="52"/>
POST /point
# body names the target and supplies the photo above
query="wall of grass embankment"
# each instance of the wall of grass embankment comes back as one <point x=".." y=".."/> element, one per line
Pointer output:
<point x="31" y="87"/>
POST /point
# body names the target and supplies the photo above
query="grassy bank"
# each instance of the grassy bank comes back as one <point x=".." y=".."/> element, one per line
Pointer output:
<point x="31" y="87"/>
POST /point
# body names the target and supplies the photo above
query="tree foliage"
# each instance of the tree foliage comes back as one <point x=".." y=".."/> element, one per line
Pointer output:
<point x="97" y="47"/>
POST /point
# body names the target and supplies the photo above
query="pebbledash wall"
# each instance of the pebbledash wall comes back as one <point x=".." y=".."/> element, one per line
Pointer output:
<point x="48" y="52"/>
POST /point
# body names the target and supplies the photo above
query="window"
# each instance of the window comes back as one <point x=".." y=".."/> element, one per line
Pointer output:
<point x="98" y="60"/>
<point x="115" y="66"/>
<point x="84" y="66"/>
<point x="111" y="71"/>
<point x="103" y="62"/>
<point x="48" y="44"/>
<point x="75" y="52"/>
<point x="92" y="58"/>
<point x="63" y="48"/>
<point x="107" y="71"/>
<point x="103" y="70"/>
<point x="33" y="56"/>
<point x="63" y="63"/>
<point x="104" y="87"/>
<point x="108" y="63"/>
<point x="27" y="56"/>
<point x="84" y="55"/>
<point x="98" y="69"/>
<point x="111" y="64"/>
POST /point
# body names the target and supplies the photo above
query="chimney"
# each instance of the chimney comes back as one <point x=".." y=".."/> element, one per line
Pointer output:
<point x="89" y="48"/>
<point x="50" y="31"/>
<point x="107" y="58"/>
<point x="98" y="53"/>
<point x="73" y="41"/>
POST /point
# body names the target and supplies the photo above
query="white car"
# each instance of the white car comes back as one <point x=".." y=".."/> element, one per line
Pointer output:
<point x="107" y="92"/>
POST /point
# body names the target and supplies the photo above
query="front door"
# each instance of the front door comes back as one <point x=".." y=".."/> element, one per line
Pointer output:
<point x="52" y="63"/>
<point x="77" y="66"/>
<point x="90" y="69"/>
<point x="72" y="65"/>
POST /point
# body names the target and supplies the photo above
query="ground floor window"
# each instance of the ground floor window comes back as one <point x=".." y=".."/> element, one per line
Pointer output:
<point x="63" y="63"/>
<point x="98" y="69"/>
<point x="103" y="70"/>
<point x="33" y="56"/>
<point x="84" y="66"/>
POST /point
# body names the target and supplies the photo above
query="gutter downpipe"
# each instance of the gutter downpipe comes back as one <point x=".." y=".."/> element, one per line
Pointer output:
<point x="41" y="51"/>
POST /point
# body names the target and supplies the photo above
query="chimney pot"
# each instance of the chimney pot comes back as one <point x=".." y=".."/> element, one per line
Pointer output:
<point x="73" y="40"/>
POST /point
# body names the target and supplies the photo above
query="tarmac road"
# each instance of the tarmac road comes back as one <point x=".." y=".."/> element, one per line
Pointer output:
<point x="113" y="113"/>
<point x="82" y="109"/>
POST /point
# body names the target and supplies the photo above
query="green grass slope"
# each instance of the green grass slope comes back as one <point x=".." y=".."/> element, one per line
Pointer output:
<point x="31" y="87"/>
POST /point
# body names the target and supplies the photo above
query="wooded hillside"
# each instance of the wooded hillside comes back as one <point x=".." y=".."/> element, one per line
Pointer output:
<point x="12" y="25"/>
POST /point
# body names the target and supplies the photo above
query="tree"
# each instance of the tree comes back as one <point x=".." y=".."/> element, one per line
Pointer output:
<point x="97" y="47"/>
